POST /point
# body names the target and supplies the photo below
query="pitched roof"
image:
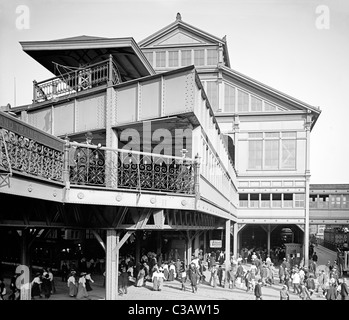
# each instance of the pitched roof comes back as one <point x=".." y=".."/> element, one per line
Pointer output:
<point x="180" y="24"/>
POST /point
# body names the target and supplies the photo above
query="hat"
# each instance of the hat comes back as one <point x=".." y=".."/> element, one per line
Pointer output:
<point x="89" y="134"/>
<point x="82" y="274"/>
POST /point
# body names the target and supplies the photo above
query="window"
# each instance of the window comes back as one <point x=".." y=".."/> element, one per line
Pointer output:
<point x="254" y="200"/>
<point x="299" y="200"/>
<point x="173" y="59"/>
<point x="149" y="56"/>
<point x="288" y="200"/>
<point x="199" y="57"/>
<point x="243" y="101"/>
<point x="256" y="104"/>
<point x="229" y="98"/>
<point x="272" y="151"/>
<point x="276" y="200"/>
<point x="255" y="154"/>
<point x="243" y="199"/>
<point x="269" y="107"/>
<point x="212" y="94"/>
<point x="335" y="201"/>
<point x="265" y="200"/>
<point x="271" y="157"/>
<point x="186" y="58"/>
<point x="345" y="201"/>
<point x="212" y="57"/>
<point x="160" y="59"/>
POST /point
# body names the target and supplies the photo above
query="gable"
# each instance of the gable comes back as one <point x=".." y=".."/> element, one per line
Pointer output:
<point x="179" y="37"/>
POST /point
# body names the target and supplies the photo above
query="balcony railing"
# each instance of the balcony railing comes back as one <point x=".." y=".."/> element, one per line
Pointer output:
<point x="75" y="81"/>
<point x="125" y="169"/>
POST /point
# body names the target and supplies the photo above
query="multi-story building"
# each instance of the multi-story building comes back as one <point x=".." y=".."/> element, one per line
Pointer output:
<point x="186" y="149"/>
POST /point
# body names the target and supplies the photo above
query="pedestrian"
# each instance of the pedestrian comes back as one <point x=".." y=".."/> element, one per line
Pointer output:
<point x="89" y="280"/>
<point x="64" y="271"/>
<point x="344" y="292"/>
<point x="172" y="271"/>
<point x="231" y="277"/>
<point x="220" y="274"/>
<point x="296" y="281"/>
<point x="72" y="284"/>
<point x="140" y="277"/>
<point x="82" y="292"/>
<point x="123" y="281"/>
<point x="214" y="276"/>
<point x="15" y="292"/>
<point x="194" y="278"/>
<point x="46" y="286"/>
<point x="310" y="284"/>
<point x="258" y="290"/>
<point x="331" y="293"/>
<point x="50" y="275"/>
<point x="184" y="275"/>
<point x="36" y="286"/>
<point x="284" y="295"/>
<point x="248" y="279"/>
<point x="304" y="293"/>
<point x="281" y="274"/>
<point x="2" y="289"/>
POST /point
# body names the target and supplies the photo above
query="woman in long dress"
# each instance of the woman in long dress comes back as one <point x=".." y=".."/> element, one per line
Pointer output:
<point x="140" y="277"/>
<point x="88" y="282"/>
<point x="36" y="286"/>
<point x="71" y="282"/>
<point x="82" y="292"/>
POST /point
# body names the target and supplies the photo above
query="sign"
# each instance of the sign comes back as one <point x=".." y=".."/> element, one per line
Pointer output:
<point x="215" y="243"/>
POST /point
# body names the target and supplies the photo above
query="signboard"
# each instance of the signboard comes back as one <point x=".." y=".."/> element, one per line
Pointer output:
<point x="215" y="243"/>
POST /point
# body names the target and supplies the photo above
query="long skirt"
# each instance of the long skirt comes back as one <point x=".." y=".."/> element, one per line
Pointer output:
<point x="82" y="292"/>
<point x="140" y="281"/>
<point x="73" y="290"/>
<point x="35" y="290"/>
<point x="156" y="284"/>
<point x="171" y="276"/>
<point x="88" y="285"/>
<point x="166" y="274"/>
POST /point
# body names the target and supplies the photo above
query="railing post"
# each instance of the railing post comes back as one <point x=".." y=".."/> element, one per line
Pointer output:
<point x="110" y="71"/>
<point x="196" y="178"/>
<point x="34" y="91"/>
<point x="66" y="172"/>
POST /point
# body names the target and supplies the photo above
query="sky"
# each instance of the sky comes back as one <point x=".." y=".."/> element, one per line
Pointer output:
<point x="299" y="47"/>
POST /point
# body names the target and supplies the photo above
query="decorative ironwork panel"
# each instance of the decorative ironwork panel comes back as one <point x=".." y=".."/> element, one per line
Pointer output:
<point x="28" y="156"/>
<point x="134" y="170"/>
<point x="87" y="167"/>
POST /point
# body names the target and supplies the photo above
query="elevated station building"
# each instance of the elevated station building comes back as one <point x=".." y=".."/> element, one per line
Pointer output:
<point x="185" y="149"/>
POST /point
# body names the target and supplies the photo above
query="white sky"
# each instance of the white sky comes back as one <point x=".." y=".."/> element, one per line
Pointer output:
<point x="277" y="42"/>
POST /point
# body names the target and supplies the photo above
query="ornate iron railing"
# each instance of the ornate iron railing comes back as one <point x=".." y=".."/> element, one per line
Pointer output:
<point x="125" y="169"/>
<point x="25" y="155"/>
<point x="76" y="81"/>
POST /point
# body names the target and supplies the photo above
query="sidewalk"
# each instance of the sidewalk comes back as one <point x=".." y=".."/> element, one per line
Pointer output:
<point x="171" y="290"/>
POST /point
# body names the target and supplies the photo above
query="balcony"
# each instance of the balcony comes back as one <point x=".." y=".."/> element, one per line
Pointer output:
<point x="45" y="157"/>
<point x="74" y="81"/>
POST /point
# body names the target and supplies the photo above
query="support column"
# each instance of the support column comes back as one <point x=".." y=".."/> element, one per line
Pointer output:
<point x="227" y="251"/>
<point x="189" y="247"/>
<point x="196" y="245"/>
<point x="138" y="246"/>
<point x="111" y="272"/>
<point x="306" y="226"/>
<point x="235" y="244"/>
<point x="205" y="242"/>
<point x="307" y="128"/>
<point x="159" y="243"/>
<point x="268" y="243"/>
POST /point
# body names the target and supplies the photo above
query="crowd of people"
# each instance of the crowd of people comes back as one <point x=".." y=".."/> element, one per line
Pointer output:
<point x="295" y="278"/>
